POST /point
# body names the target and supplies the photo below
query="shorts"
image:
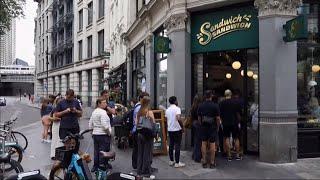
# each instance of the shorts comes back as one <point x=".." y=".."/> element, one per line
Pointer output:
<point x="208" y="133"/>
<point x="231" y="129"/>
<point x="63" y="132"/>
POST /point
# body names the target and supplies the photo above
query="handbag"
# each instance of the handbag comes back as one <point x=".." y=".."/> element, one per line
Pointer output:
<point x="147" y="127"/>
<point x="188" y="122"/>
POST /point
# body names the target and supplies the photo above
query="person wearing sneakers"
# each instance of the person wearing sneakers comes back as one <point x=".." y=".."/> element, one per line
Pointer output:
<point x="230" y="111"/>
<point x="209" y="117"/>
<point x="175" y="130"/>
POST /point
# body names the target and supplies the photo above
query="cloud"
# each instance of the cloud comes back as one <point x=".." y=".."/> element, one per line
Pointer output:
<point x="25" y="33"/>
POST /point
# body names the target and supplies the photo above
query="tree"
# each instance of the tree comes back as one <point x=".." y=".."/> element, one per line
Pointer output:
<point x="10" y="9"/>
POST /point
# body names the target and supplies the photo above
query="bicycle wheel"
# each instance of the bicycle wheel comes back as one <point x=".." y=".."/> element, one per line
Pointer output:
<point x="14" y="166"/>
<point x="16" y="155"/>
<point x="57" y="172"/>
<point x="20" y="138"/>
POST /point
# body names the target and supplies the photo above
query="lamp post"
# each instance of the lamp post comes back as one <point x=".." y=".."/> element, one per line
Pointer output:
<point x="47" y="63"/>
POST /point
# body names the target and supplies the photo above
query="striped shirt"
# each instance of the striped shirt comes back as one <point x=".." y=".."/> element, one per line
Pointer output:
<point x="100" y="122"/>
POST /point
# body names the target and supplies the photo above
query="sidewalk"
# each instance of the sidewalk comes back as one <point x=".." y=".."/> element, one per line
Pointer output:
<point x="37" y="157"/>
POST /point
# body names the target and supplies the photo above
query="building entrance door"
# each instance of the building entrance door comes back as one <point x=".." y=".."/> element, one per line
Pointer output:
<point x="238" y="71"/>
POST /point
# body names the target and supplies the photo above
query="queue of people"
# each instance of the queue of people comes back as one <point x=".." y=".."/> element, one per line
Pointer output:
<point x="210" y="120"/>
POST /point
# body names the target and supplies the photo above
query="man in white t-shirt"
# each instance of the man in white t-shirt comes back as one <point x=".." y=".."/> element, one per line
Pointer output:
<point x="175" y="130"/>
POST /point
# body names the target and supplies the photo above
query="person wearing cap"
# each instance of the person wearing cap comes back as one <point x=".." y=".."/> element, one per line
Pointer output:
<point x="230" y="111"/>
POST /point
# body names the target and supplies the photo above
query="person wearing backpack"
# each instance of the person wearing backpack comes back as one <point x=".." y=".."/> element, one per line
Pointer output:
<point x="134" y="134"/>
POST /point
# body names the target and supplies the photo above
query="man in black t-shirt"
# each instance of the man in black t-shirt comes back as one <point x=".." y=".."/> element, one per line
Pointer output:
<point x="209" y="117"/>
<point x="69" y="111"/>
<point x="230" y="110"/>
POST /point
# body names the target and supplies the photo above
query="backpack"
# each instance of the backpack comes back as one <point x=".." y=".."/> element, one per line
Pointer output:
<point x="129" y="116"/>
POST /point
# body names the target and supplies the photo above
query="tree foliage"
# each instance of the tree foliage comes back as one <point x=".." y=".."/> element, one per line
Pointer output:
<point x="10" y="9"/>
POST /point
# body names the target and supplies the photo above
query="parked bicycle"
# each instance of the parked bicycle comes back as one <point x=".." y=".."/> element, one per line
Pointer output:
<point x="70" y="162"/>
<point x="15" y="136"/>
<point x="6" y="162"/>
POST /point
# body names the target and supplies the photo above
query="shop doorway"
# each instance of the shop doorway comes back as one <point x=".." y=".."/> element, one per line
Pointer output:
<point x="238" y="71"/>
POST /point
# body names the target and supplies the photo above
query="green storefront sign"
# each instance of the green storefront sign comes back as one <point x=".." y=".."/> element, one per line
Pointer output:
<point x="161" y="44"/>
<point x="236" y="28"/>
<point x="296" y="29"/>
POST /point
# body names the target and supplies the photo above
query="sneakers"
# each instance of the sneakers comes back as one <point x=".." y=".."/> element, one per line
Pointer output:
<point x="204" y="165"/>
<point x="171" y="163"/>
<point x="238" y="157"/>
<point x="178" y="165"/>
<point x="212" y="166"/>
<point x="229" y="158"/>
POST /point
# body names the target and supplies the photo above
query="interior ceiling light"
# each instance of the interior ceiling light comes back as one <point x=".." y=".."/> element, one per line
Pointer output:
<point x="228" y="75"/>
<point x="236" y="65"/>
<point x="250" y="73"/>
<point x="255" y="76"/>
<point x="315" y="68"/>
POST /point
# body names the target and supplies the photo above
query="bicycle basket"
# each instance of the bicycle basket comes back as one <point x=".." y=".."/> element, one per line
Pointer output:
<point x="64" y="156"/>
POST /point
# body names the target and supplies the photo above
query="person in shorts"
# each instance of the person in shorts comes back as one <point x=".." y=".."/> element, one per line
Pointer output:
<point x="209" y="117"/>
<point x="230" y="111"/>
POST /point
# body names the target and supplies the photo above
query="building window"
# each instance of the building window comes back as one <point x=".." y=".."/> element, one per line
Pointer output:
<point x="90" y="13"/>
<point x="89" y="50"/>
<point x="101" y="8"/>
<point x="80" y="20"/>
<point x="80" y="81"/>
<point x="68" y="81"/>
<point x="80" y="49"/>
<point x="54" y="85"/>
<point x="100" y="42"/>
<point x="89" y="87"/>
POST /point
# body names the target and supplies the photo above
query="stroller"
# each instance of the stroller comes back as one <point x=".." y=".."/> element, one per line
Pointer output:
<point x="122" y="128"/>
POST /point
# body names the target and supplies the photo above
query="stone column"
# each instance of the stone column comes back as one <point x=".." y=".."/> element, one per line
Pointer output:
<point x="84" y="93"/>
<point x="63" y="84"/>
<point x="75" y="82"/>
<point x="95" y="85"/>
<point x="50" y="86"/>
<point x="278" y="83"/>
<point x="56" y="79"/>
<point x="179" y="63"/>
<point x="150" y="62"/>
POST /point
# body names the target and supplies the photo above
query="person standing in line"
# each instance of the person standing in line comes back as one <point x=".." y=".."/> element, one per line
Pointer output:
<point x="230" y="113"/>
<point x="196" y="155"/>
<point x="69" y="111"/>
<point x="173" y="115"/>
<point x="134" y="133"/>
<point x="100" y="123"/>
<point x="55" y="141"/>
<point x="145" y="142"/>
<point x="46" y="109"/>
<point x="110" y="105"/>
<point x="209" y="117"/>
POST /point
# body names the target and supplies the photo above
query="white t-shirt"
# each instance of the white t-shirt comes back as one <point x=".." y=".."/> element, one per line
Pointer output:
<point x="171" y="114"/>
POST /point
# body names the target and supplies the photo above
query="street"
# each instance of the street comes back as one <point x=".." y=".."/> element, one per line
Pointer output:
<point x="36" y="155"/>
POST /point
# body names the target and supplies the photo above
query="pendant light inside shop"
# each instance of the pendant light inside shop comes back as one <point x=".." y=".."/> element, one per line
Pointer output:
<point x="236" y="65"/>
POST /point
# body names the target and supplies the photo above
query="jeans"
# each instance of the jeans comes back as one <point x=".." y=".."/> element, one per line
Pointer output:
<point x="145" y="148"/>
<point x="101" y="143"/>
<point x="175" y="143"/>
<point x="197" y="141"/>
<point x="135" y="150"/>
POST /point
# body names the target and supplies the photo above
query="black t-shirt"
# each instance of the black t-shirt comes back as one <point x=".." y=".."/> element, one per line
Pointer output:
<point x="228" y="111"/>
<point x="69" y="120"/>
<point x="208" y="108"/>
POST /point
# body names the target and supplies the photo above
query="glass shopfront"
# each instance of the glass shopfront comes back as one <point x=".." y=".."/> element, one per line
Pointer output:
<point x="225" y="55"/>
<point x="138" y="66"/>
<point x="161" y="75"/>
<point x="308" y="83"/>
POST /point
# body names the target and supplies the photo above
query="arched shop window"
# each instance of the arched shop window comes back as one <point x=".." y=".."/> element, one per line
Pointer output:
<point x="308" y="69"/>
<point x="161" y="74"/>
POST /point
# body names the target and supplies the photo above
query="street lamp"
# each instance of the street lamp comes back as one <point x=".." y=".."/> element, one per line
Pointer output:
<point x="47" y="63"/>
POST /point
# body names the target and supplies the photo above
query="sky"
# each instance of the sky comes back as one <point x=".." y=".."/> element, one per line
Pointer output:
<point x="25" y="33"/>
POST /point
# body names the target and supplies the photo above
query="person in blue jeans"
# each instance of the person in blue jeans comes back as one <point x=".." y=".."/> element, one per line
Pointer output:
<point x="100" y="123"/>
